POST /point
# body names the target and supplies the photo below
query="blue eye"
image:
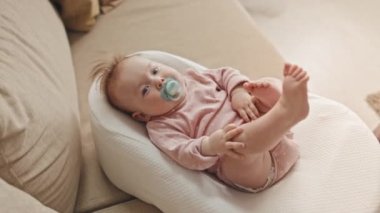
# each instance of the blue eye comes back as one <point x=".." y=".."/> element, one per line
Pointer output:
<point x="155" y="70"/>
<point x="145" y="90"/>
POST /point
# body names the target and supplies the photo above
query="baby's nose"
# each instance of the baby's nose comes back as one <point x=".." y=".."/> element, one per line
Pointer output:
<point x="159" y="81"/>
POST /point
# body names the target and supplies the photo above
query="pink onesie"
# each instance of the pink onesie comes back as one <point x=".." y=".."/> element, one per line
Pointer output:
<point x="207" y="108"/>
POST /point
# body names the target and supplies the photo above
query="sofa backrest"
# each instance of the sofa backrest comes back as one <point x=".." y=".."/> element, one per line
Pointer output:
<point x="39" y="119"/>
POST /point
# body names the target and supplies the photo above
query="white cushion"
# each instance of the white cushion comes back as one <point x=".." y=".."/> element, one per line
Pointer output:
<point x="339" y="168"/>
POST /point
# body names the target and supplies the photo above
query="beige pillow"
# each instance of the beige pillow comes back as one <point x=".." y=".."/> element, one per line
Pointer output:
<point x="78" y="15"/>
<point x="16" y="200"/>
<point x="39" y="121"/>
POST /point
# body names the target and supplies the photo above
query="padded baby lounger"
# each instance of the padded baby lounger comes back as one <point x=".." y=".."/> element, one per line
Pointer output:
<point x="338" y="171"/>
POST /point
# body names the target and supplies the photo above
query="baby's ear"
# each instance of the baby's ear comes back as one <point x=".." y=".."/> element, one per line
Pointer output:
<point x="140" y="117"/>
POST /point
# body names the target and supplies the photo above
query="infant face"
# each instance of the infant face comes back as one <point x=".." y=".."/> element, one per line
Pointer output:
<point x="136" y="87"/>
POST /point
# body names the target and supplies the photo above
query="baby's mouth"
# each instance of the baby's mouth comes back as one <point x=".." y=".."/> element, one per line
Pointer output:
<point x="171" y="89"/>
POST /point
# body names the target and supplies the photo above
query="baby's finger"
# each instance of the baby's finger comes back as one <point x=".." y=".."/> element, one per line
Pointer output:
<point x="232" y="133"/>
<point x="244" y="115"/>
<point x="254" y="109"/>
<point x="229" y="127"/>
<point x="234" y="145"/>
<point x="249" y="112"/>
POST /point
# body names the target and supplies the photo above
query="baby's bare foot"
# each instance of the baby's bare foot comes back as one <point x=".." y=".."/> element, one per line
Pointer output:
<point x="262" y="89"/>
<point x="265" y="91"/>
<point x="294" y="94"/>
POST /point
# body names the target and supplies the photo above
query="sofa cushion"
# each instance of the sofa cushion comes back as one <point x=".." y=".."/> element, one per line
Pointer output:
<point x="15" y="200"/>
<point x="213" y="32"/>
<point x="39" y="121"/>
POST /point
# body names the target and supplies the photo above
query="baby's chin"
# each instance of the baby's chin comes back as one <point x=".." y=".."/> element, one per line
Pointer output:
<point x="179" y="101"/>
<point x="172" y="106"/>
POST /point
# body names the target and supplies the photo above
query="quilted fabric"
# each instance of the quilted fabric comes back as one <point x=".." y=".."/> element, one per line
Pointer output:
<point x="338" y="170"/>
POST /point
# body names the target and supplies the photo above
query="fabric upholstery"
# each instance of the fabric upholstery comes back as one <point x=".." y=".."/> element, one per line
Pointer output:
<point x="338" y="169"/>
<point x="16" y="200"/>
<point x="39" y="122"/>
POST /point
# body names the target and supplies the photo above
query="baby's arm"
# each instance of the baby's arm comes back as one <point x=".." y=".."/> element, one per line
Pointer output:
<point x="231" y="80"/>
<point x="181" y="148"/>
<point x="244" y="103"/>
<point x="227" y="78"/>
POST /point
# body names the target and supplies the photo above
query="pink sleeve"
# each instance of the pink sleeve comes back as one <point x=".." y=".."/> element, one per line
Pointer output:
<point x="226" y="77"/>
<point x="179" y="147"/>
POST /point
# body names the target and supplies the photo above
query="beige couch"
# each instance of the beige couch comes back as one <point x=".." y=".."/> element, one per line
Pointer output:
<point x="47" y="156"/>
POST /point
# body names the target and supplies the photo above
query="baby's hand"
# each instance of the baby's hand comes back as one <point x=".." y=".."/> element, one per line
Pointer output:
<point x="243" y="103"/>
<point x="219" y="142"/>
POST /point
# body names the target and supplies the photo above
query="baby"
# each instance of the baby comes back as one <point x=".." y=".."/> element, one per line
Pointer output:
<point x="217" y="120"/>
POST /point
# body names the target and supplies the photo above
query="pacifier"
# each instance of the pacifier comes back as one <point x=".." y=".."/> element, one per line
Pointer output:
<point x="171" y="89"/>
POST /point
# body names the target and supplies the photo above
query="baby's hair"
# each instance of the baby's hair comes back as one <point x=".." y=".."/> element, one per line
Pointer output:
<point x="104" y="69"/>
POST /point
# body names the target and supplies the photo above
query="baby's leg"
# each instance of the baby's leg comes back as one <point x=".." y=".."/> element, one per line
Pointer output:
<point x="263" y="134"/>
<point x="256" y="171"/>
<point x="251" y="171"/>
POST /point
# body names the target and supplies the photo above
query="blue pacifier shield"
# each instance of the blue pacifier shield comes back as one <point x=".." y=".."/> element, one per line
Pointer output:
<point x="171" y="90"/>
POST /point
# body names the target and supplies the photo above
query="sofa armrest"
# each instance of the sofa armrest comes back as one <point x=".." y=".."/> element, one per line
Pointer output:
<point x="15" y="200"/>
